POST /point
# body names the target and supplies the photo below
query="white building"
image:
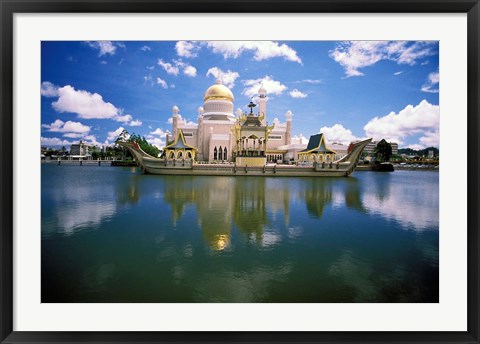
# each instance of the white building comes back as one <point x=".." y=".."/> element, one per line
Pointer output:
<point x="214" y="130"/>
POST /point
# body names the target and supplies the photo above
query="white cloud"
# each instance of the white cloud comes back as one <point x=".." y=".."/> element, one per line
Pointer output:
<point x="124" y="119"/>
<point x="272" y="86"/>
<point x="92" y="140"/>
<point x="337" y="133"/>
<point x="300" y="139"/>
<point x="53" y="141"/>
<point x="174" y="69"/>
<point x="156" y="141"/>
<point x="48" y="89"/>
<point x="59" y="126"/>
<point x="190" y="71"/>
<point x="297" y="94"/>
<point x="395" y="127"/>
<point x="168" y="67"/>
<point x="360" y="54"/>
<point x="228" y="77"/>
<point x="89" y="106"/>
<point x="186" y="49"/>
<point x="262" y="50"/>
<point x="150" y="67"/>
<point x="145" y="48"/>
<point x="416" y="147"/>
<point x="397" y="73"/>
<point x="85" y="104"/>
<point x="162" y="83"/>
<point x="159" y="132"/>
<point x="135" y="123"/>
<point x="431" y="85"/>
<point x="105" y="47"/>
<point x="73" y="135"/>
<point x="112" y="135"/>
<point x="312" y="81"/>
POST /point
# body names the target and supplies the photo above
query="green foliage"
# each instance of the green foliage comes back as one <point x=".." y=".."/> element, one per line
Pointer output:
<point x="144" y="145"/>
<point x="383" y="151"/>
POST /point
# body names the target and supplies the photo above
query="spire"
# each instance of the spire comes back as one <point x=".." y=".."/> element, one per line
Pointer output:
<point x="219" y="78"/>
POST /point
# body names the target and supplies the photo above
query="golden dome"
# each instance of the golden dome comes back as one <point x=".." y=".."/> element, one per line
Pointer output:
<point x="218" y="92"/>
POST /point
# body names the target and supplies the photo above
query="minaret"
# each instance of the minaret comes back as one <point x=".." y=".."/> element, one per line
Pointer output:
<point x="175" y="111"/>
<point x="288" y="136"/>
<point x="200" y="133"/>
<point x="262" y="104"/>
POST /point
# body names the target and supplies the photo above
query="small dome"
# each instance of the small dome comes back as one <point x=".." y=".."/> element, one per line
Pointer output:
<point x="218" y="92"/>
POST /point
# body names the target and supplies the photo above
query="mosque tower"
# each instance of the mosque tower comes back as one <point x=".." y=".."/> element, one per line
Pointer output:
<point x="262" y="104"/>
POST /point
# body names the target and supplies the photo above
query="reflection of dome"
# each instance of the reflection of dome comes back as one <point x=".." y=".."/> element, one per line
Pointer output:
<point x="218" y="92"/>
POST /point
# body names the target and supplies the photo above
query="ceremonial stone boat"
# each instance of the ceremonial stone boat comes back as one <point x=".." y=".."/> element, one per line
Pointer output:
<point x="188" y="166"/>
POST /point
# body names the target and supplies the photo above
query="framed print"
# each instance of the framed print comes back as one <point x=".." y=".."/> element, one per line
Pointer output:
<point x="270" y="172"/>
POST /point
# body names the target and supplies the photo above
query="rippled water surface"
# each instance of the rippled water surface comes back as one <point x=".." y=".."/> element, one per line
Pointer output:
<point x="111" y="234"/>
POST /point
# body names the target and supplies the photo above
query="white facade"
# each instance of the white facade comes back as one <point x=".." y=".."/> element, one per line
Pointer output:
<point x="214" y="132"/>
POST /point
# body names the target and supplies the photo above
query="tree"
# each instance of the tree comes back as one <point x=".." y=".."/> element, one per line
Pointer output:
<point x="383" y="151"/>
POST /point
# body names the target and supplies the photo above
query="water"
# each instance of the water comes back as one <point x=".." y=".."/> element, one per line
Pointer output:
<point x="111" y="234"/>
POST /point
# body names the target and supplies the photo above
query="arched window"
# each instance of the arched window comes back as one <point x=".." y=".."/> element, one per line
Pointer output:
<point x="171" y="155"/>
<point x="180" y="155"/>
<point x="215" y="154"/>
<point x="189" y="155"/>
<point x="225" y="153"/>
<point x="220" y="151"/>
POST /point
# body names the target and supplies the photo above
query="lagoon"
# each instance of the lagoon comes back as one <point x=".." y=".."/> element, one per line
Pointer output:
<point x="113" y="234"/>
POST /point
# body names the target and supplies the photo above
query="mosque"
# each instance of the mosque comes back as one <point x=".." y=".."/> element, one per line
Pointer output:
<point x="220" y="135"/>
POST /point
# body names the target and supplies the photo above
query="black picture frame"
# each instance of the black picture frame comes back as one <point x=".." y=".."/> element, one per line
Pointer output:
<point x="9" y="7"/>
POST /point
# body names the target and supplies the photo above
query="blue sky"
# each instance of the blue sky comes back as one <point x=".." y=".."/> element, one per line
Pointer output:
<point x="347" y="90"/>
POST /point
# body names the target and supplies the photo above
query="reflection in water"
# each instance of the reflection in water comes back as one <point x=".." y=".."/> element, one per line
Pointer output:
<point x="413" y="202"/>
<point x="238" y="239"/>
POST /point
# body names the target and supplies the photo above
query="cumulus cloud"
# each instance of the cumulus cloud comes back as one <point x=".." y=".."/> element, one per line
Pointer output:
<point x="145" y="48"/>
<point x="159" y="132"/>
<point x="397" y="73"/>
<point x="412" y="120"/>
<point x="53" y="141"/>
<point x="71" y="129"/>
<point x="48" y="89"/>
<point x="112" y="135"/>
<point x="186" y="49"/>
<point x="262" y="50"/>
<point x="297" y="94"/>
<point x="300" y="139"/>
<point x="162" y="83"/>
<point x="105" y="47"/>
<point x="168" y="67"/>
<point x="174" y="69"/>
<point x="228" y="77"/>
<point x="135" y="123"/>
<point x="338" y="133"/>
<point x="272" y="86"/>
<point x="89" y="106"/>
<point x="157" y="137"/>
<point x="355" y="55"/>
<point x="85" y="104"/>
<point x="190" y="71"/>
<point x="431" y="85"/>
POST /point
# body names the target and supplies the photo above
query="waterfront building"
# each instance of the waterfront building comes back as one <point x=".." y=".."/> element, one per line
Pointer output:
<point x="81" y="149"/>
<point x="317" y="150"/>
<point x="215" y="129"/>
